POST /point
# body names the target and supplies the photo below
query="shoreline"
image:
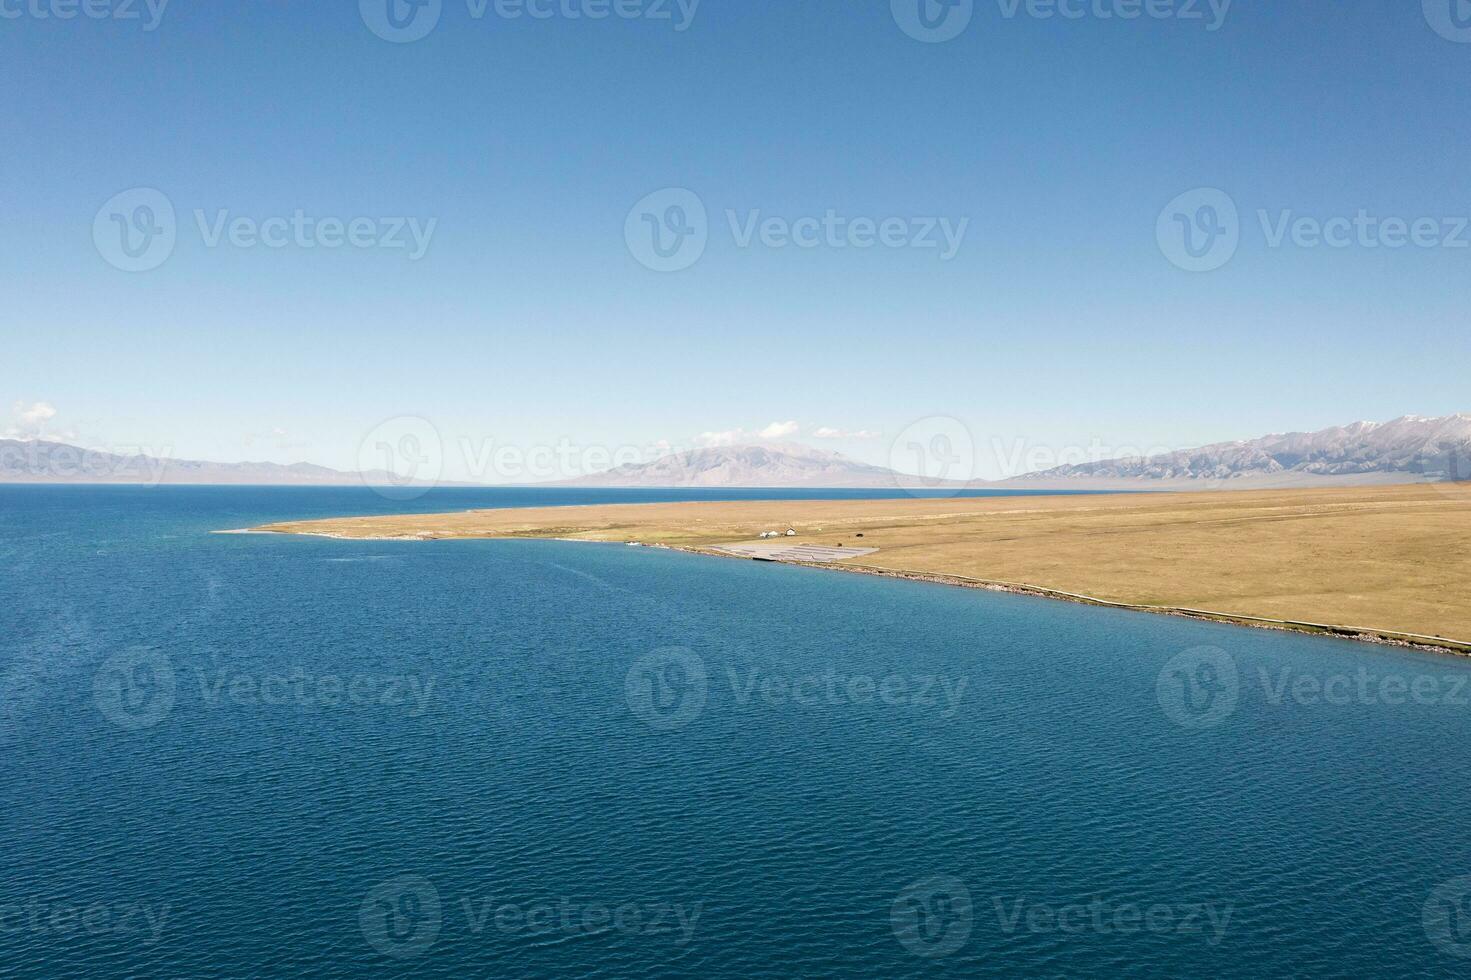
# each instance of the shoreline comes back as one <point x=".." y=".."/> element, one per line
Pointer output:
<point x="1299" y="561"/>
<point x="1360" y="634"/>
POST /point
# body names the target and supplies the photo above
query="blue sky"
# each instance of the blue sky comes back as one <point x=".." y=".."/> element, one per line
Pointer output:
<point x="519" y="147"/>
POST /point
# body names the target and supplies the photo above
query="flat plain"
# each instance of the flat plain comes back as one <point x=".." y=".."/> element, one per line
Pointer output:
<point x="1376" y="559"/>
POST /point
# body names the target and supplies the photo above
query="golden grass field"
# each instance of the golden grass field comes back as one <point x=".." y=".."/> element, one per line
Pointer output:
<point x="1393" y="559"/>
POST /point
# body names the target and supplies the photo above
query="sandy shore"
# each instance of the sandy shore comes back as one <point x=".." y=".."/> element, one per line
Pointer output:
<point x="1391" y="564"/>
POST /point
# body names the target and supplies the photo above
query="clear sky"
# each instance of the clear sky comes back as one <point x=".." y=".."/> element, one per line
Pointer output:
<point x="520" y="148"/>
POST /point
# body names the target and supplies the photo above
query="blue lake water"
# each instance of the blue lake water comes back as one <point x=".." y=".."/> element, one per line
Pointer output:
<point x="267" y="756"/>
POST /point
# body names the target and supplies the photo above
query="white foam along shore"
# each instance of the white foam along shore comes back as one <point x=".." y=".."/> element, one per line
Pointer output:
<point x="425" y="536"/>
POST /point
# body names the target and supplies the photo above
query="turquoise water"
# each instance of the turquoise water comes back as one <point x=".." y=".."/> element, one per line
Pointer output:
<point x="252" y="755"/>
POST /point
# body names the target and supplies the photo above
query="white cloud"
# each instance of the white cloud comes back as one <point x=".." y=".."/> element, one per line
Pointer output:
<point x="828" y="432"/>
<point x="780" y="430"/>
<point x="38" y="412"/>
<point x="733" y="437"/>
<point x="29" y="420"/>
<point x="728" y="438"/>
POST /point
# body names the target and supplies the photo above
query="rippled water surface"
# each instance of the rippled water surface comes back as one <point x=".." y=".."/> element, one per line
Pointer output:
<point x="254" y="755"/>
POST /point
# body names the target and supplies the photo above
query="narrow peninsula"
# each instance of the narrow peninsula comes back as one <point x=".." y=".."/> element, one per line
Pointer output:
<point x="1389" y="564"/>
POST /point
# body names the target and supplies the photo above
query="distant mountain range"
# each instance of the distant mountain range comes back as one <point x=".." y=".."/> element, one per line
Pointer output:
<point x="39" y="461"/>
<point x="755" y="465"/>
<point x="1409" y="449"/>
